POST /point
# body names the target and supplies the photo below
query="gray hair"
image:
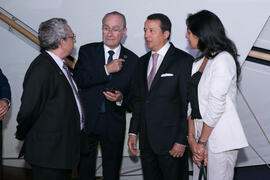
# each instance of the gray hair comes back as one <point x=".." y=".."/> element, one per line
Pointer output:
<point x="115" y="13"/>
<point x="51" y="32"/>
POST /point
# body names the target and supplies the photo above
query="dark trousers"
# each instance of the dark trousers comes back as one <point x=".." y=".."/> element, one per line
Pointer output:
<point x="163" y="166"/>
<point x="111" y="152"/>
<point x="41" y="173"/>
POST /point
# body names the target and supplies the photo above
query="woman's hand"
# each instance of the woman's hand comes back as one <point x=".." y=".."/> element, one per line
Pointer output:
<point x="203" y="154"/>
<point x="197" y="155"/>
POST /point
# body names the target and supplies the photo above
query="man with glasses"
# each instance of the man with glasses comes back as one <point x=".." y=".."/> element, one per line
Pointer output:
<point x="104" y="73"/>
<point x="51" y="118"/>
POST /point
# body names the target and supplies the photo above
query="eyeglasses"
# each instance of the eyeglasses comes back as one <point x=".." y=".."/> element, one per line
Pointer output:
<point x="73" y="36"/>
<point x="115" y="29"/>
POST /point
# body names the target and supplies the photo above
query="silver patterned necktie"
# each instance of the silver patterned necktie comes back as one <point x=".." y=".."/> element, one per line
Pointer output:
<point x="153" y="70"/>
<point x="75" y="92"/>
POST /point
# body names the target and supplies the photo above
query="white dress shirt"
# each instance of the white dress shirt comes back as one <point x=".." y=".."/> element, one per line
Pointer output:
<point x="162" y="52"/>
<point x="115" y="55"/>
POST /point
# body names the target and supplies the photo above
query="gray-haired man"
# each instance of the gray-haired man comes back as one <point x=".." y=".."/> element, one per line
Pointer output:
<point x="50" y="116"/>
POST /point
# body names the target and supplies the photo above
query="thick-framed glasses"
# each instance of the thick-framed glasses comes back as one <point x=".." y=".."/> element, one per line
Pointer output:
<point x="73" y="36"/>
<point x="115" y="29"/>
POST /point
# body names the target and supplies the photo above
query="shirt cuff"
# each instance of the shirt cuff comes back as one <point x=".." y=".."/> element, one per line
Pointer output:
<point x="7" y="101"/>
<point x="119" y="103"/>
<point x="132" y="134"/>
<point x="106" y="70"/>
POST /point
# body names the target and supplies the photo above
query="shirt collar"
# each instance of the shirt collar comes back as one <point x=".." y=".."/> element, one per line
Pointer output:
<point x="163" y="50"/>
<point x="116" y="50"/>
<point x="57" y="59"/>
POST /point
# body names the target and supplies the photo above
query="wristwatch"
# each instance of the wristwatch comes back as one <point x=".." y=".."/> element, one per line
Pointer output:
<point x="203" y="143"/>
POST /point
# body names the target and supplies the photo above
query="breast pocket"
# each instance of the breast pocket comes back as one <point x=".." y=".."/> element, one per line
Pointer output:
<point x="166" y="86"/>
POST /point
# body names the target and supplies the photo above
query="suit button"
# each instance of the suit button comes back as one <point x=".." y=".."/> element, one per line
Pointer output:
<point x="147" y="101"/>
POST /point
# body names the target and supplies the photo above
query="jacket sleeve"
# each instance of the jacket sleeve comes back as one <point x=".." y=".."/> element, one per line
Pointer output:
<point x="185" y="75"/>
<point x="4" y="87"/>
<point x="136" y="104"/>
<point x="223" y="72"/>
<point x="35" y="92"/>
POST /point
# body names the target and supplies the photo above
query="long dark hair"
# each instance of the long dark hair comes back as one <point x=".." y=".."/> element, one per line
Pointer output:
<point x="212" y="37"/>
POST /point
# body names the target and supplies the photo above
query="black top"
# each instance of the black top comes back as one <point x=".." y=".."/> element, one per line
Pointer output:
<point x="193" y="95"/>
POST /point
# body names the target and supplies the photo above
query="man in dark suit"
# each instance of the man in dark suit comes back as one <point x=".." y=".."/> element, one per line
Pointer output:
<point x="5" y="95"/>
<point x="51" y="117"/>
<point x="104" y="73"/>
<point x="5" y="98"/>
<point x="160" y="104"/>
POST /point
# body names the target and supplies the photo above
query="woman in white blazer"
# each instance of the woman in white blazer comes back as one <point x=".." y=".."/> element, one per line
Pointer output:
<point x="215" y="131"/>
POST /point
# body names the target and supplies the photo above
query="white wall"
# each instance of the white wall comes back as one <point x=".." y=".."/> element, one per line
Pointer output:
<point x="15" y="57"/>
<point x="243" y="20"/>
<point x="255" y="88"/>
<point x="263" y="41"/>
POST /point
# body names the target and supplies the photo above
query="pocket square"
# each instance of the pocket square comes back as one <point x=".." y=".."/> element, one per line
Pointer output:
<point x="166" y="75"/>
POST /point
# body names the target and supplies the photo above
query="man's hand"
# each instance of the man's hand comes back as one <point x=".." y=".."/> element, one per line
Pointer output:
<point x="132" y="146"/>
<point x="3" y="108"/>
<point x="114" y="66"/>
<point x="177" y="151"/>
<point x="115" y="96"/>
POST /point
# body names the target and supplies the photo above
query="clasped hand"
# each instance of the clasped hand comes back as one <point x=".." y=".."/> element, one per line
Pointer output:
<point x="199" y="153"/>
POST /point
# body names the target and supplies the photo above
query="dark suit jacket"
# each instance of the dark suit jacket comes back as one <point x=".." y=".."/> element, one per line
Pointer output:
<point x="161" y="113"/>
<point x="4" y="87"/>
<point x="48" y="120"/>
<point x="91" y="77"/>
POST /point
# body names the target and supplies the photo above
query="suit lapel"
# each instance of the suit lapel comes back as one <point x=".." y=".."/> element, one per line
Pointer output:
<point x="53" y="64"/>
<point x="163" y="66"/>
<point x="144" y="70"/>
<point x="62" y="76"/>
<point x="123" y="53"/>
<point x="57" y="69"/>
<point x="100" y="55"/>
